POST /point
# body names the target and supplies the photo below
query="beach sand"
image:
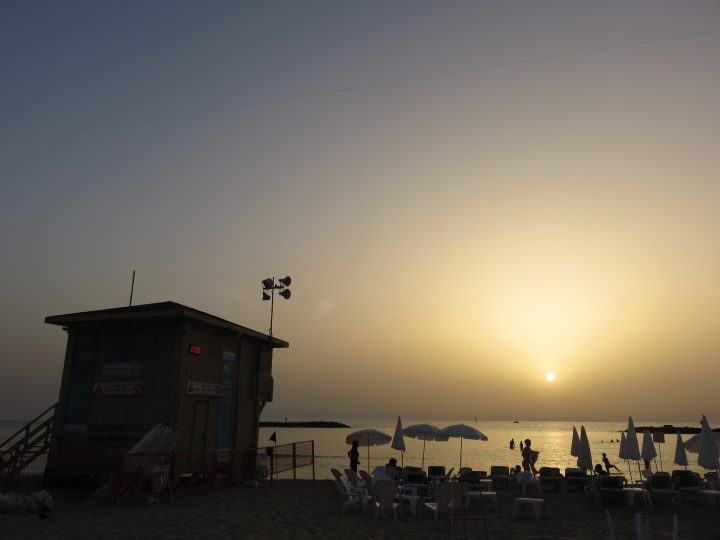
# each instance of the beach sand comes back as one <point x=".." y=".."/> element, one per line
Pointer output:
<point x="307" y="509"/>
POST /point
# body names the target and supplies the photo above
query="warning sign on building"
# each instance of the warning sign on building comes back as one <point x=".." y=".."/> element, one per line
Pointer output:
<point x="199" y="388"/>
<point x="115" y="389"/>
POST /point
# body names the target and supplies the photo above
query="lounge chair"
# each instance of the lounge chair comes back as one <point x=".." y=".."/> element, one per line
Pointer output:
<point x="660" y="485"/>
<point x="367" y="480"/>
<point x="350" y="497"/>
<point x="435" y="473"/>
<point x="686" y="482"/>
<point x="605" y="485"/>
<point x="386" y="498"/>
<point x="448" y="496"/>
<point x="552" y="477"/>
<point x="575" y="476"/>
<point x="355" y="481"/>
<point x="500" y="476"/>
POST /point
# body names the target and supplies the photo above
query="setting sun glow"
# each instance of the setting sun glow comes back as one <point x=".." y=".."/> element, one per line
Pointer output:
<point x="550" y="377"/>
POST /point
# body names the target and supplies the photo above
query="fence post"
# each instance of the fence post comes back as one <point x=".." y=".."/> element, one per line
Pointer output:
<point x="118" y="479"/>
<point x="213" y="471"/>
<point x="313" y="457"/>
<point x="294" y="462"/>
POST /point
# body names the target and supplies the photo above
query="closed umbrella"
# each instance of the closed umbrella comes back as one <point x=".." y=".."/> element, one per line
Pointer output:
<point x="584" y="460"/>
<point x="368" y="437"/>
<point x="632" y="448"/>
<point x="680" y="455"/>
<point x="659" y="437"/>
<point x="575" y="445"/>
<point x="424" y="432"/>
<point x="648" y="448"/>
<point x="463" y="432"/>
<point x="709" y="454"/>
<point x="623" y="452"/>
<point x="398" y="443"/>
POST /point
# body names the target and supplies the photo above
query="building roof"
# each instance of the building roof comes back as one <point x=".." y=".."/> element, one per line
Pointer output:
<point x="159" y="310"/>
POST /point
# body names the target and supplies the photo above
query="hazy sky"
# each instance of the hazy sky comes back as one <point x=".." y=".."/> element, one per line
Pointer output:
<point x="451" y="239"/>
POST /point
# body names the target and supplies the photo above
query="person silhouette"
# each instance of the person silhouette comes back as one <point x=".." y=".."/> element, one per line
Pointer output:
<point x="607" y="463"/>
<point x="512" y="444"/>
<point x="354" y="455"/>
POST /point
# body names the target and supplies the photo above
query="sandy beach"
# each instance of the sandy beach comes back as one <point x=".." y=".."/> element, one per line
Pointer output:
<point x="307" y="509"/>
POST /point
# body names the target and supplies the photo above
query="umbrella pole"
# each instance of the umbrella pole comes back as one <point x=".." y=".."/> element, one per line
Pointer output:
<point x="629" y="469"/>
<point x="368" y="461"/>
<point x="460" y="454"/>
<point x="660" y="450"/>
<point x="423" y="459"/>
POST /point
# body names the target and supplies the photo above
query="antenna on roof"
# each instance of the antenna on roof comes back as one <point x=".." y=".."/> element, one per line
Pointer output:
<point x="132" y="287"/>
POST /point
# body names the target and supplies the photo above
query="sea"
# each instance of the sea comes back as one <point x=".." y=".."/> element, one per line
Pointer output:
<point x="551" y="439"/>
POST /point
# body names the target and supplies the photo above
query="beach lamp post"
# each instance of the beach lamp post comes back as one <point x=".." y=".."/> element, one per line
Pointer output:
<point x="269" y="286"/>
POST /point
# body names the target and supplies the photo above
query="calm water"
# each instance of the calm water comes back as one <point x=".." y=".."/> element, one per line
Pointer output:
<point x="551" y="439"/>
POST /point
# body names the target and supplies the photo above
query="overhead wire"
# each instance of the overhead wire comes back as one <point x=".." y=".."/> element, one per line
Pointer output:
<point x="343" y="89"/>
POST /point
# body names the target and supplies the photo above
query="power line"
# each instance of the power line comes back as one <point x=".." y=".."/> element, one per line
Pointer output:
<point x="343" y="89"/>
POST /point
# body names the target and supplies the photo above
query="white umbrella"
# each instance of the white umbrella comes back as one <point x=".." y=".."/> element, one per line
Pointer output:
<point x="648" y="447"/>
<point x="575" y="445"/>
<point x="464" y="432"/>
<point x="709" y="454"/>
<point x="584" y="455"/>
<point x="632" y="448"/>
<point x="424" y="432"/>
<point x="398" y="443"/>
<point x="622" y="454"/>
<point x="368" y="437"/>
<point x="680" y="455"/>
<point x="659" y="437"/>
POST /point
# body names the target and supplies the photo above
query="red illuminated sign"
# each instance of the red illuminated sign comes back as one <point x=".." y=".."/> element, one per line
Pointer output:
<point x="194" y="349"/>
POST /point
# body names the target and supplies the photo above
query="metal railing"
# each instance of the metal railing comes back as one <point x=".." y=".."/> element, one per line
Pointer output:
<point x="25" y="447"/>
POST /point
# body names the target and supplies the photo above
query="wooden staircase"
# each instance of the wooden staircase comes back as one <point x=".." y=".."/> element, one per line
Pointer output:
<point x="24" y="447"/>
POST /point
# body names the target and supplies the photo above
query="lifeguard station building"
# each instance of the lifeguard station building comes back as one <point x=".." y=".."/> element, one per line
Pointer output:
<point x="129" y="368"/>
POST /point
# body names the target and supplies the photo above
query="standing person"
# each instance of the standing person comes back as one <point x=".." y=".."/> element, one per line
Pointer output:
<point x="607" y="463"/>
<point x="529" y="457"/>
<point x="512" y="444"/>
<point x="354" y="455"/>
<point x="521" y="446"/>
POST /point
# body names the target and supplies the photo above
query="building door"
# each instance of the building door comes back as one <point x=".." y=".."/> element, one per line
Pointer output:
<point x="198" y="438"/>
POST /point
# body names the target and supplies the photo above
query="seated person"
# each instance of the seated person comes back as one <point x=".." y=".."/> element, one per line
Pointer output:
<point x="600" y="471"/>
<point x="392" y="470"/>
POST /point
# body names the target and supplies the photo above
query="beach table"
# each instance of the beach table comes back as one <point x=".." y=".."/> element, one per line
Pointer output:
<point x="637" y="490"/>
<point x="412" y="500"/>
<point x="487" y="495"/>
<point x="711" y="496"/>
<point x="521" y="502"/>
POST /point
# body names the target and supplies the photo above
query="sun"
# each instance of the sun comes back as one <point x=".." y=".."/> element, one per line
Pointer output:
<point x="549" y="377"/>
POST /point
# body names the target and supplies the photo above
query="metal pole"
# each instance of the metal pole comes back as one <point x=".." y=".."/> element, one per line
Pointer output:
<point x="132" y="287"/>
<point x="272" y="305"/>
<point x="313" y="458"/>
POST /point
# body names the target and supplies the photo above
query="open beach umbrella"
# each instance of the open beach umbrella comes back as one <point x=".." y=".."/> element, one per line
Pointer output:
<point x="575" y="445"/>
<point x="398" y="443"/>
<point x="680" y="455"/>
<point x="424" y="432"/>
<point x="463" y="432"/>
<point x="584" y="460"/>
<point x="648" y="448"/>
<point x="632" y="448"/>
<point x="368" y="437"/>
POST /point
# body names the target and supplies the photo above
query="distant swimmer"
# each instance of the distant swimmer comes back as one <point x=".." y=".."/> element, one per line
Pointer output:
<point x="512" y="444"/>
<point x="521" y="446"/>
